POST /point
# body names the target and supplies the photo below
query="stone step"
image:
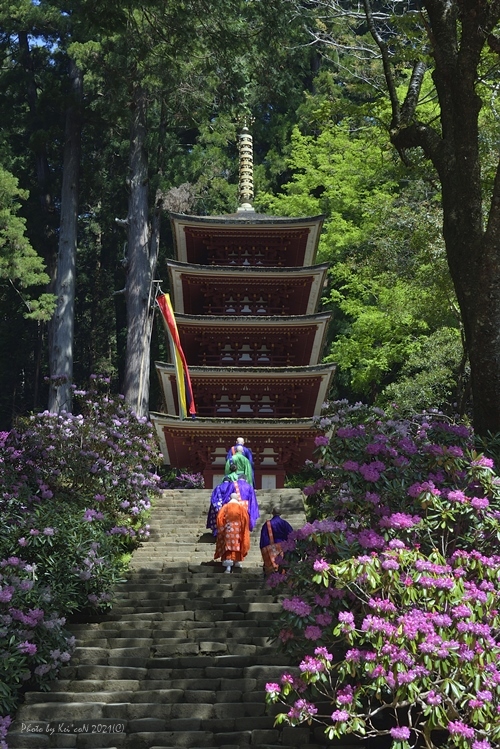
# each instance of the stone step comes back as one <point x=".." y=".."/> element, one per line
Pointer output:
<point x="182" y="658"/>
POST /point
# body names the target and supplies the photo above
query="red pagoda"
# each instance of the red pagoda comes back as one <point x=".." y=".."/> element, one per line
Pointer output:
<point x="246" y="291"/>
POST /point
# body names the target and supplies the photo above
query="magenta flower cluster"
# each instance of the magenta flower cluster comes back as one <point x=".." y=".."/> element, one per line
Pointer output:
<point x="400" y="575"/>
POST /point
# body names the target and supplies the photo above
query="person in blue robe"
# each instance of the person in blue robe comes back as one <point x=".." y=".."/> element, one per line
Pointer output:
<point x="246" y="451"/>
<point x="232" y="483"/>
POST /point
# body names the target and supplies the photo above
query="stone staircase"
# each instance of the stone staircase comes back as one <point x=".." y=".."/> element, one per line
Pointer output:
<point x="182" y="658"/>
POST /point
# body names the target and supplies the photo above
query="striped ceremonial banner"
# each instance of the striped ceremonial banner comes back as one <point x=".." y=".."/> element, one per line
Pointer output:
<point x="184" y="387"/>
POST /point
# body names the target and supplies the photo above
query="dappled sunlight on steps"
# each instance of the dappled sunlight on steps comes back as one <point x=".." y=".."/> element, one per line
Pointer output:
<point x="182" y="658"/>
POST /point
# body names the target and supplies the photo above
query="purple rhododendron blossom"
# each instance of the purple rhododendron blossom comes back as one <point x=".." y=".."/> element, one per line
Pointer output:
<point x="312" y="632"/>
<point x="297" y="606"/>
<point x="458" y="728"/>
<point x="311" y="665"/>
<point x="321" y="440"/>
<point x="368" y="539"/>
<point x="433" y="698"/>
<point x="29" y="648"/>
<point x="350" y="465"/>
<point x="417" y="489"/>
<point x="400" y="521"/>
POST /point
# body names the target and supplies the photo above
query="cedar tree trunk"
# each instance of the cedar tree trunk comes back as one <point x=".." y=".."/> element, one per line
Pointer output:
<point x="138" y="289"/>
<point x="62" y="324"/>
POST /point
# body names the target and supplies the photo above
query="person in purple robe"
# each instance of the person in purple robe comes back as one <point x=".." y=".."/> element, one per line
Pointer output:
<point x="233" y="483"/>
<point x="273" y="533"/>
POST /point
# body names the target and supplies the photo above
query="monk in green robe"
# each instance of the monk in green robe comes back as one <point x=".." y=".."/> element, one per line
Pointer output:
<point x="243" y="465"/>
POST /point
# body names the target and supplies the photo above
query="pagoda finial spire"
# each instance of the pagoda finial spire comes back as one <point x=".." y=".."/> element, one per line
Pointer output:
<point x="245" y="147"/>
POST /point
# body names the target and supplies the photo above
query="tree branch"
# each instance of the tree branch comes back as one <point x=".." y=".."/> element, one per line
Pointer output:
<point x="391" y="85"/>
<point x="413" y="93"/>
<point x="418" y="134"/>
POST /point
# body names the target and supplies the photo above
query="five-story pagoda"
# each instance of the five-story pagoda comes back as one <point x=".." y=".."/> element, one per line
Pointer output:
<point x="246" y="291"/>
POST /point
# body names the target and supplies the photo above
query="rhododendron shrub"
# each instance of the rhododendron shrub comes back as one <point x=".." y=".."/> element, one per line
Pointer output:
<point x="76" y="491"/>
<point x="392" y="600"/>
<point x="33" y="642"/>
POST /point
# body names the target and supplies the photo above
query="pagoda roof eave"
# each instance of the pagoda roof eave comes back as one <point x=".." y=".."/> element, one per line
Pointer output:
<point x="247" y="218"/>
<point x="313" y="369"/>
<point x="250" y="320"/>
<point x="206" y="422"/>
<point x="252" y="269"/>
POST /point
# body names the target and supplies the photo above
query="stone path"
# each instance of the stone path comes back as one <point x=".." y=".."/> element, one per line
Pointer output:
<point x="182" y="658"/>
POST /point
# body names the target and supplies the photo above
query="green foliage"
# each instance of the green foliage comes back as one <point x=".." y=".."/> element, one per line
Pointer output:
<point x="19" y="263"/>
<point x="340" y="173"/>
<point x="390" y="289"/>
<point x="429" y="376"/>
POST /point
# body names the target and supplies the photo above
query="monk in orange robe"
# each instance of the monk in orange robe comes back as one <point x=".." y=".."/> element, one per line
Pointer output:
<point x="233" y="533"/>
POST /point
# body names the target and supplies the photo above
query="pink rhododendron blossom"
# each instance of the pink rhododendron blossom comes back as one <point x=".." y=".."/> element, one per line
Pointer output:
<point x="479" y="503"/>
<point x="285" y="635"/>
<point x="345" y="695"/>
<point x="339" y="715"/>
<point x="322" y="652"/>
<point x="272" y="687"/>
<point x="320" y="565"/>
<point x="400" y="733"/>
<point x="458" y="496"/>
<point x="346" y="618"/>
<point x="482" y="462"/>
<point x="433" y="698"/>
<point x="311" y="665"/>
